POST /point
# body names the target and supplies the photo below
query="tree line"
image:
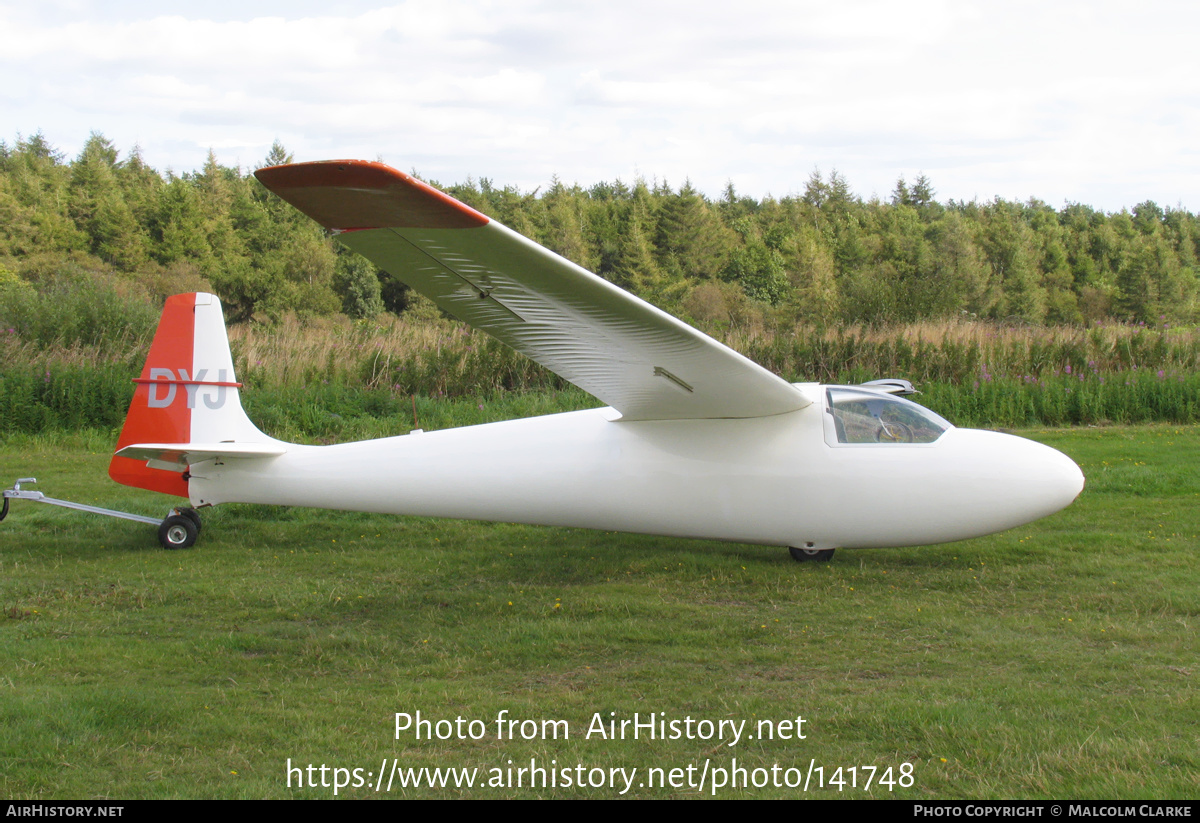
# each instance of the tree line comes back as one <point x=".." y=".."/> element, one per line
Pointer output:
<point x="823" y="256"/>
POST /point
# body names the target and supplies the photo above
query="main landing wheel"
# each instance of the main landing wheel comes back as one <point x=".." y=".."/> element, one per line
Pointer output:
<point x="804" y="555"/>
<point x="178" y="531"/>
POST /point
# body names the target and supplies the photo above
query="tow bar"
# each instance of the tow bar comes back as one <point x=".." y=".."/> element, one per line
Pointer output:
<point x="178" y="530"/>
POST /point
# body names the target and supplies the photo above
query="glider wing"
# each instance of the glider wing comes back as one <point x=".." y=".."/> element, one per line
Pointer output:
<point x="634" y="357"/>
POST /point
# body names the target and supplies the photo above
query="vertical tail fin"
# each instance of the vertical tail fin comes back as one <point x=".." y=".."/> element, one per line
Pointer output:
<point x="186" y="394"/>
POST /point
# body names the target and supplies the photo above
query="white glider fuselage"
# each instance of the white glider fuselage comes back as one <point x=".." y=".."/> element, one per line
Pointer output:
<point x="771" y="480"/>
<point x="695" y="439"/>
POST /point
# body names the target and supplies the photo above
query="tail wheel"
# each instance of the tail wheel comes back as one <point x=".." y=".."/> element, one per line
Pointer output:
<point x="178" y="532"/>
<point x="805" y="555"/>
<point x="190" y="514"/>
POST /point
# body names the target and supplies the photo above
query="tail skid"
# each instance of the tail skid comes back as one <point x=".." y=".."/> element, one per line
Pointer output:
<point x="186" y="407"/>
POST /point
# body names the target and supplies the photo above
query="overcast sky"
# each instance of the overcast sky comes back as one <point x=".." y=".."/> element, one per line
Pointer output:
<point x="1091" y="102"/>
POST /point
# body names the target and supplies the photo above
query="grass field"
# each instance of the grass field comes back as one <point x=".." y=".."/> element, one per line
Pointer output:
<point x="1054" y="661"/>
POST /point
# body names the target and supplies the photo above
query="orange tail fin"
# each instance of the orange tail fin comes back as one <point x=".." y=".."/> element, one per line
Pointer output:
<point x="187" y="392"/>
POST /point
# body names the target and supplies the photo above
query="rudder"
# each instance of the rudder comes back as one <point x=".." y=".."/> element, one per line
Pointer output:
<point x="187" y="392"/>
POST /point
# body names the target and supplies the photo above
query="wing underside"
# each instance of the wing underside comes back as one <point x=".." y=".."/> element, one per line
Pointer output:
<point x="638" y="359"/>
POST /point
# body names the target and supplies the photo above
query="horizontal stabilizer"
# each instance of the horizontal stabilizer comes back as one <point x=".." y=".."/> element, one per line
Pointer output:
<point x="182" y="455"/>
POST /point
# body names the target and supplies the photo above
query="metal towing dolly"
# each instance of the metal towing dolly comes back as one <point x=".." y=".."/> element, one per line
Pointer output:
<point x="178" y="530"/>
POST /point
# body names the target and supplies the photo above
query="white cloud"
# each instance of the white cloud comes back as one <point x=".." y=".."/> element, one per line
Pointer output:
<point x="1082" y="101"/>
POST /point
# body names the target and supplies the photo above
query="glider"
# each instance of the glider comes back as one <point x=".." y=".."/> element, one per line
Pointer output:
<point x="695" y="441"/>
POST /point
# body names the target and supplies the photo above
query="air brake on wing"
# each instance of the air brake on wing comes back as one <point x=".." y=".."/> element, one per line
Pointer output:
<point x="891" y="385"/>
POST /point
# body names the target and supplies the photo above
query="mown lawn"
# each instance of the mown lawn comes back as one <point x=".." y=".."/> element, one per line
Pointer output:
<point x="1054" y="661"/>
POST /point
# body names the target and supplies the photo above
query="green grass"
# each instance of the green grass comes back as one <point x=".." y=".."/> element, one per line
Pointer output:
<point x="1053" y="661"/>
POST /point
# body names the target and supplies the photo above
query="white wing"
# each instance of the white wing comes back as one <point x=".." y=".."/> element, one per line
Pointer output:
<point x="643" y="362"/>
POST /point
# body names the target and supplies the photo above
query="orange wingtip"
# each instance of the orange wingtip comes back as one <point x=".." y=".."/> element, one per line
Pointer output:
<point x="356" y="194"/>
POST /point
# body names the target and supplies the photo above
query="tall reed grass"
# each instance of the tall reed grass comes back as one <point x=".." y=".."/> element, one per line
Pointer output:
<point x="336" y="379"/>
<point x="435" y="357"/>
<point x="963" y="351"/>
<point x="1091" y="398"/>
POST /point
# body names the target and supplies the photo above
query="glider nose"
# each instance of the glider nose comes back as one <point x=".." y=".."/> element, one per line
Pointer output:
<point x="1016" y="480"/>
<point x="1051" y="481"/>
<point x="1062" y="478"/>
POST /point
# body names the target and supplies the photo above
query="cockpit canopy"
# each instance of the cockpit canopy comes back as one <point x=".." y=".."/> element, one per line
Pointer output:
<point x="866" y="416"/>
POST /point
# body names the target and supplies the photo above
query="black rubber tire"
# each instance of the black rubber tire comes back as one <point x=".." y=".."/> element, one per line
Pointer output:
<point x="178" y="532"/>
<point x="805" y="555"/>
<point x="193" y="515"/>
